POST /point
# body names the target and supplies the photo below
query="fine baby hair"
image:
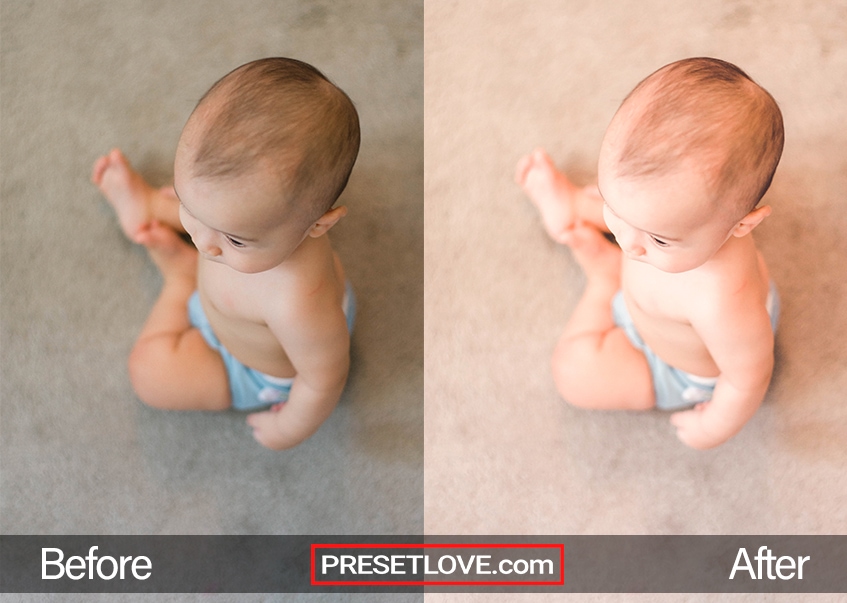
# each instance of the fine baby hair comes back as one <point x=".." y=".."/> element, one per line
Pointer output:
<point x="284" y="115"/>
<point x="712" y="114"/>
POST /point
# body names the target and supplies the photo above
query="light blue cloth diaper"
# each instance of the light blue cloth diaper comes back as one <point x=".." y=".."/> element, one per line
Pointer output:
<point x="250" y="389"/>
<point x="675" y="389"/>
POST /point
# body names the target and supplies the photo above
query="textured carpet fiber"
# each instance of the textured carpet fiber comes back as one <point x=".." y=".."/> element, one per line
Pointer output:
<point x="80" y="454"/>
<point x="504" y="454"/>
<point x="501" y="453"/>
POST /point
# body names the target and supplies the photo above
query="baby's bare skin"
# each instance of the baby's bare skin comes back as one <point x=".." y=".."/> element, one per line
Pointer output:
<point x="241" y="321"/>
<point x="284" y="319"/>
<point x="135" y="202"/>
<point x="175" y="259"/>
<point x="702" y="312"/>
<point x="259" y="165"/>
<point x="558" y="200"/>
<point x="665" y="307"/>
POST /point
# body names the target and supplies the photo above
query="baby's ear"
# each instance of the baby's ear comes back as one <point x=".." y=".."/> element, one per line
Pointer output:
<point x="751" y="221"/>
<point x="327" y="221"/>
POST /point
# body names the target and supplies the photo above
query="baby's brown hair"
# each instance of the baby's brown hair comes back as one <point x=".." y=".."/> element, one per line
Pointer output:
<point x="287" y="114"/>
<point x="712" y="113"/>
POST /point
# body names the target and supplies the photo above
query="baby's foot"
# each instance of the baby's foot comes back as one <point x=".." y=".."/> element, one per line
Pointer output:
<point x="125" y="189"/>
<point x="599" y="258"/>
<point x="551" y="192"/>
<point x="176" y="259"/>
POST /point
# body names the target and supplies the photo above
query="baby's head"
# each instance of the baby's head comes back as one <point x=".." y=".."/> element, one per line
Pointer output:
<point x="686" y="160"/>
<point x="262" y="159"/>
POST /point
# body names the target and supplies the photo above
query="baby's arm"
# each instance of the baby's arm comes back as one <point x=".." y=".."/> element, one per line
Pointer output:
<point x="738" y="335"/>
<point x="313" y="332"/>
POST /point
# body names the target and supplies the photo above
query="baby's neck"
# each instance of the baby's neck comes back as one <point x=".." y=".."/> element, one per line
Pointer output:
<point x="730" y="255"/>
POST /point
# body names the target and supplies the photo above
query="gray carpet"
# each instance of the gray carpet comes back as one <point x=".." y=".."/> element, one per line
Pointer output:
<point x="80" y="454"/>
<point x="504" y="455"/>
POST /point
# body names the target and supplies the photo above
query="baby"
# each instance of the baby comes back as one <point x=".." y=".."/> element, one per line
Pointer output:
<point x="682" y="315"/>
<point x="263" y="313"/>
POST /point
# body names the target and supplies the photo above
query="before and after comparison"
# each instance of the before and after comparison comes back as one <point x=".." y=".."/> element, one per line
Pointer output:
<point x="391" y="270"/>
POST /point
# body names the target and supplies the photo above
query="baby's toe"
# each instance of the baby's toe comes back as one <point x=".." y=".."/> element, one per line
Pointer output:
<point x="522" y="168"/>
<point x="99" y="167"/>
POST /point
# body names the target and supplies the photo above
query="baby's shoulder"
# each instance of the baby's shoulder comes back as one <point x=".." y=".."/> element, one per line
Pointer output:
<point x="728" y="292"/>
<point x="293" y="285"/>
<point x="299" y="290"/>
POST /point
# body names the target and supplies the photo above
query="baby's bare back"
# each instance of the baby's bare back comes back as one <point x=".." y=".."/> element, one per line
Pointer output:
<point x="665" y="307"/>
<point x="250" y="313"/>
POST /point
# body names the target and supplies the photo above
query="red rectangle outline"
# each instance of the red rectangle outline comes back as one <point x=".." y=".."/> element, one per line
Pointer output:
<point x="561" y="548"/>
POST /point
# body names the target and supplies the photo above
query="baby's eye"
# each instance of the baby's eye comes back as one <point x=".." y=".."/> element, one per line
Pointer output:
<point x="234" y="242"/>
<point x="659" y="242"/>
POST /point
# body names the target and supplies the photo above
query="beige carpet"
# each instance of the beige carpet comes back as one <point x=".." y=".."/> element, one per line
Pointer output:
<point x="504" y="455"/>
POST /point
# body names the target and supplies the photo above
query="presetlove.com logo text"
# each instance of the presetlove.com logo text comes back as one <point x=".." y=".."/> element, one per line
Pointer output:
<point x="437" y="564"/>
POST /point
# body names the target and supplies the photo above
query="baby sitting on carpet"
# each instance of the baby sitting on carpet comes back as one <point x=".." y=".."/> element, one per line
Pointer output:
<point x="263" y="315"/>
<point x="682" y="316"/>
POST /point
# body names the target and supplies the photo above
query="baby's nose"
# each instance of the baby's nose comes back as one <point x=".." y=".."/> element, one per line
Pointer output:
<point x="630" y="246"/>
<point x="205" y="245"/>
<point x="211" y="250"/>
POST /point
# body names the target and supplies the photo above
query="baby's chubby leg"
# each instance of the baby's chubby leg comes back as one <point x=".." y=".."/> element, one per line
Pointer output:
<point x="171" y="366"/>
<point x="594" y="364"/>
<point x="135" y="202"/>
<point x="560" y="202"/>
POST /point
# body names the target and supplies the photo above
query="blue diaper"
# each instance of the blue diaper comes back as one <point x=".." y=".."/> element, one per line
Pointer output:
<point x="250" y="389"/>
<point x="675" y="389"/>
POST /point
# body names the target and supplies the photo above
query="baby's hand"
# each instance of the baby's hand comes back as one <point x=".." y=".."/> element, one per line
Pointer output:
<point x="690" y="429"/>
<point x="266" y="429"/>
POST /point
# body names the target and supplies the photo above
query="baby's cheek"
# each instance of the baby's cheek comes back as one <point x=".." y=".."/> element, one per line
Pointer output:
<point x="613" y="226"/>
<point x="185" y="220"/>
<point x="609" y="217"/>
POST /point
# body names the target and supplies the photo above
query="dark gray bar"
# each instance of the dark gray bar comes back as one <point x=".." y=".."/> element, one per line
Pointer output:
<point x="180" y="564"/>
<point x="282" y="564"/>
<point x="688" y="564"/>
